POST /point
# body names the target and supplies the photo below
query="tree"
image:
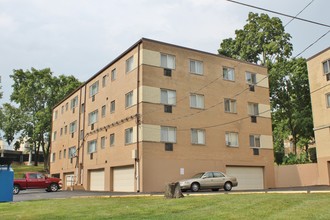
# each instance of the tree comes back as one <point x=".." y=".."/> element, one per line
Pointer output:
<point x="37" y="91"/>
<point x="262" y="41"/>
<point x="11" y="118"/>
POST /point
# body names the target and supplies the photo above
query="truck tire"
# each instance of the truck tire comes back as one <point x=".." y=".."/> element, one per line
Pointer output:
<point x="53" y="187"/>
<point x="16" y="189"/>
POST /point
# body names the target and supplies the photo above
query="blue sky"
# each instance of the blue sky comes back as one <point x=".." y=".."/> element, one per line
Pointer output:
<point x="79" y="37"/>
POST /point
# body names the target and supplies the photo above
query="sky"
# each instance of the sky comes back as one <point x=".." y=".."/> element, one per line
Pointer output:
<point x="79" y="37"/>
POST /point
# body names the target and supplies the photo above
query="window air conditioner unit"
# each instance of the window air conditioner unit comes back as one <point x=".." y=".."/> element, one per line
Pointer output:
<point x="255" y="151"/>
<point x="168" y="146"/>
<point x="167" y="72"/>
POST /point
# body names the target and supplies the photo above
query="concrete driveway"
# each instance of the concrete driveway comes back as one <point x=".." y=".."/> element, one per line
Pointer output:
<point x="37" y="194"/>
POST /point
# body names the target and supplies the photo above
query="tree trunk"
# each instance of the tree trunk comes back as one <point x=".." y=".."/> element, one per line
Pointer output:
<point x="173" y="190"/>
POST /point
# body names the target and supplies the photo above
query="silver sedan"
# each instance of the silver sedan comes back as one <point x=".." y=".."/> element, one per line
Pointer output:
<point x="208" y="180"/>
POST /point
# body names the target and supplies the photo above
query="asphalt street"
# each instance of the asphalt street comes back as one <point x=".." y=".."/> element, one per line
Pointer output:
<point x="39" y="194"/>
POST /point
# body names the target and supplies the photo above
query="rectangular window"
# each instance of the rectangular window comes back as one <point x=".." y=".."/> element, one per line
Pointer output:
<point x="82" y="107"/>
<point x="228" y="74"/>
<point x="168" y="97"/>
<point x="102" y="142"/>
<point x="92" y="146"/>
<point x="129" y="64"/>
<point x="61" y="132"/>
<point x="253" y="109"/>
<point x="326" y="67"/>
<point x="55" y="115"/>
<point x="66" y="106"/>
<point x="60" y="155"/>
<point x="72" y="152"/>
<point x="104" y="81"/>
<point x="197" y="101"/>
<point x="197" y="136"/>
<point x="129" y="99"/>
<point x="113" y="74"/>
<point x="54" y="135"/>
<point x="62" y="110"/>
<point x="65" y="129"/>
<point x="251" y="78"/>
<point x="255" y="141"/>
<point x="196" y="67"/>
<point x="74" y="102"/>
<point x="168" y="134"/>
<point x="113" y="106"/>
<point x="73" y="127"/>
<point x="112" y="140"/>
<point x="167" y="61"/>
<point x="94" y="89"/>
<point x="232" y="139"/>
<point x="230" y="105"/>
<point x="328" y="100"/>
<point x="129" y="136"/>
<point x="64" y="153"/>
<point x="104" y="109"/>
<point x="92" y="117"/>
<point x="53" y="157"/>
<point x="81" y="135"/>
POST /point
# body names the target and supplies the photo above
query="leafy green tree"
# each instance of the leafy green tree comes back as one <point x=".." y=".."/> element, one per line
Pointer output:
<point x="263" y="40"/>
<point x="36" y="92"/>
<point x="11" y="118"/>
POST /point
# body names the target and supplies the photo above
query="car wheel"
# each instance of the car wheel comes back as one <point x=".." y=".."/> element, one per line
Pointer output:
<point x="53" y="187"/>
<point x="195" y="187"/>
<point x="16" y="189"/>
<point x="215" y="189"/>
<point x="227" y="186"/>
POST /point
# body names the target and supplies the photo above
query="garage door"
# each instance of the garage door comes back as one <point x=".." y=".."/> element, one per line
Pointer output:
<point x="96" y="180"/>
<point x="123" y="179"/>
<point x="69" y="180"/>
<point x="247" y="177"/>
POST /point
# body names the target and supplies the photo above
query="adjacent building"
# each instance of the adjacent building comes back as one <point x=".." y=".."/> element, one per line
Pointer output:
<point x="319" y="80"/>
<point x="159" y="113"/>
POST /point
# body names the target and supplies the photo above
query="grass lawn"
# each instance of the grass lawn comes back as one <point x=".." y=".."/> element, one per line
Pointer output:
<point x="19" y="170"/>
<point x="221" y="206"/>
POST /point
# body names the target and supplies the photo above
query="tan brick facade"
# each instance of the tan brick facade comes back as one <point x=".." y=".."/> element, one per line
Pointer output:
<point x="319" y="80"/>
<point x="209" y="128"/>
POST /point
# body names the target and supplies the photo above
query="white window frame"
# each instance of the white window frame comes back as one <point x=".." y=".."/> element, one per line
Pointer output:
<point x="74" y="102"/>
<point x="167" y="61"/>
<point x="231" y="139"/>
<point x="326" y="67"/>
<point x="113" y="74"/>
<point x="94" y="89"/>
<point x="129" y="136"/>
<point x="254" y="141"/>
<point x="230" y="105"/>
<point x="129" y="64"/>
<point x="168" y="97"/>
<point x="198" y="136"/>
<point x="129" y="99"/>
<point x="112" y="139"/>
<point x="251" y="78"/>
<point x="168" y="134"/>
<point x="73" y="127"/>
<point x="197" y="101"/>
<point x="112" y="106"/>
<point x="253" y="109"/>
<point x="103" y="142"/>
<point x="196" y="67"/>
<point x="228" y="73"/>
<point x="93" y="117"/>
<point x="92" y="146"/>
<point x="72" y="152"/>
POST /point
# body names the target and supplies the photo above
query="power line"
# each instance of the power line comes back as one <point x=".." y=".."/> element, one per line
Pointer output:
<point x="299" y="13"/>
<point x="280" y="13"/>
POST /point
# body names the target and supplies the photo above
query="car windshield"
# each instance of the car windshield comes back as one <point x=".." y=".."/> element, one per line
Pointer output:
<point x="198" y="175"/>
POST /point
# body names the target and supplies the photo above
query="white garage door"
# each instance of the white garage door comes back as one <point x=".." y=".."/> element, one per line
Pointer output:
<point x="69" y="180"/>
<point x="96" y="180"/>
<point x="123" y="179"/>
<point x="247" y="177"/>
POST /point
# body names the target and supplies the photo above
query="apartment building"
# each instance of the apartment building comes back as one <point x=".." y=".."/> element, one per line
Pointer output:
<point x="159" y="113"/>
<point x="319" y="81"/>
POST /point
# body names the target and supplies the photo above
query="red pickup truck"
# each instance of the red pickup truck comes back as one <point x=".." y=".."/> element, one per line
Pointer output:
<point x="37" y="181"/>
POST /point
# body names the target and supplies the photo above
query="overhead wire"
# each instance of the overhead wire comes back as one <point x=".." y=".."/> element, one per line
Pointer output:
<point x="299" y="13"/>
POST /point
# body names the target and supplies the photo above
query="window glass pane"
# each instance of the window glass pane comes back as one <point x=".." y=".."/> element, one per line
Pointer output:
<point x="326" y="66"/>
<point x="113" y="74"/>
<point x="112" y="140"/>
<point x="112" y="106"/>
<point x="251" y="140"/>
<point x="129" y="99"/>
<point x="328" y="100"/>
<point x="129" y="64"/>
